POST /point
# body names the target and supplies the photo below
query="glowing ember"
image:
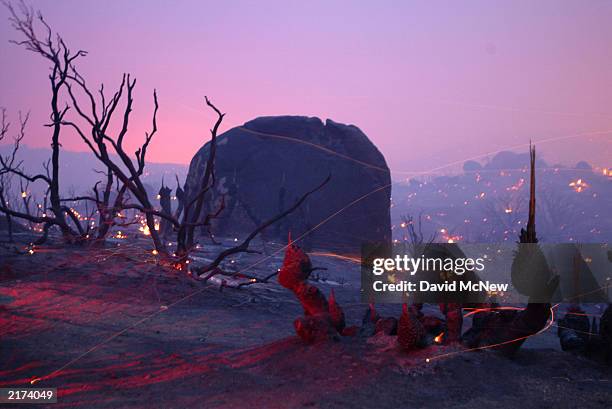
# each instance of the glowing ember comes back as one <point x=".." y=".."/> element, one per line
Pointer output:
<point x="438" y="338"/>
<point x="449" y="237"/>
<point x="579" y="185"/>
<point x="144" y="228"/>
<point x="517" y="186"/>
<point x="154" y="252"/>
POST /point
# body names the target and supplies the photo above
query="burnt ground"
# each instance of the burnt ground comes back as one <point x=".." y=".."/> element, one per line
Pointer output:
<point x="106" y="327"/>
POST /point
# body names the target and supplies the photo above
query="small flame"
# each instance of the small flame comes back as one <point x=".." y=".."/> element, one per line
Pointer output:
<point x="438" y="338"/>
<point x="578" y="185"/>
<point x="24" y="194"/>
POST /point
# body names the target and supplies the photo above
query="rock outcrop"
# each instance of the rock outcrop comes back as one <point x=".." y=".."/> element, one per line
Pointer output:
<point x="264" y="166"/>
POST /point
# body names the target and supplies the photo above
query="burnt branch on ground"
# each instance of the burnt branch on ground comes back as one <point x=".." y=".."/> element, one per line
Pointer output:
<point x="212" y="269"/>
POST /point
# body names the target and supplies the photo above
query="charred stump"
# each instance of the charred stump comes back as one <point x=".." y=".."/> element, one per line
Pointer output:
<point x="165" y="201"/>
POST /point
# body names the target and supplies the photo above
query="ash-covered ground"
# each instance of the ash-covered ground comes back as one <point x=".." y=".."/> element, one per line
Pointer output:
<point x="111" y="329"/>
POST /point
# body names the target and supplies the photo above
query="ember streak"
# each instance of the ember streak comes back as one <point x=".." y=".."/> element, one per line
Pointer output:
<point x="291" y="260"/>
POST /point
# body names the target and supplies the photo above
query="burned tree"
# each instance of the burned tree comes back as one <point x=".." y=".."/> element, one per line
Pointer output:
<point x="124" y="174"/>
<point x="194" y="205"/>
<point x="107" y="212"/>
<point x="531" y="275"/>
<point x="165" y="200"/>
<point x="10" y="169"/>
<point x="5" y="177"/>
<point x="93" y="121"/>
<point x="180" y="197"/>
<point x="53" y="49"/>
<point x="98" y="118"/>
<point x="129" y="172"/>
<point x="416" y="237"/>
<point x="505" y="213"/>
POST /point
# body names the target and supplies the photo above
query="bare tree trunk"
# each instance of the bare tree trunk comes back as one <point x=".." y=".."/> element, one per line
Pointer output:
<point x="54" y="198"/>
<point x="53" y="49"/>
<point x="186" y="231"/>
<point x="9" y="220"/>
<point x="165" y="201"/>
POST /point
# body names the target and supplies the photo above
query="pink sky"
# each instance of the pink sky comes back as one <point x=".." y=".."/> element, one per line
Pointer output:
<point x="429" y="82"/>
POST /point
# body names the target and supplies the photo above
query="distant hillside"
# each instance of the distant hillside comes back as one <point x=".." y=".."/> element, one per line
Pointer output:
<point x="488" y="202"/>
<point x="77" y="173"/>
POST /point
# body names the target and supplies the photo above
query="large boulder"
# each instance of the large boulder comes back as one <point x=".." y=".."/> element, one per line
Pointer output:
<point x="264" y="166"/>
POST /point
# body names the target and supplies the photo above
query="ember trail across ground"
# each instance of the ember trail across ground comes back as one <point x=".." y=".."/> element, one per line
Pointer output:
<point x="236" y="348"/>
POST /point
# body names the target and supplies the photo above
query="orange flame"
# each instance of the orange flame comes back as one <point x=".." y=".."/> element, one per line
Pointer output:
<point x="578" y="185"/>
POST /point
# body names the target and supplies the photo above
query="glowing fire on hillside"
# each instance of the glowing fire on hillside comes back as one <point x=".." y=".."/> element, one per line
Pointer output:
<point x="578" y="185"/>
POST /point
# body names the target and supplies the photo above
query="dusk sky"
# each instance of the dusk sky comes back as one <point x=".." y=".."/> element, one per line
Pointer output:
<point x="431" y="82"/>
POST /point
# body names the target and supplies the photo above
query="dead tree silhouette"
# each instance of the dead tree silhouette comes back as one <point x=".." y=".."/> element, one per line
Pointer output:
<point x="53" y="49"/>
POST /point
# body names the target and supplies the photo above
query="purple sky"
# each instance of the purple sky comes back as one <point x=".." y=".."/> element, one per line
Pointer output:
<point x="429" y="82"/>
